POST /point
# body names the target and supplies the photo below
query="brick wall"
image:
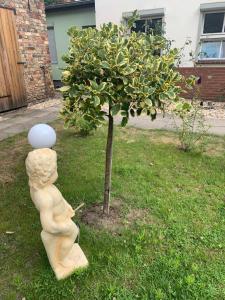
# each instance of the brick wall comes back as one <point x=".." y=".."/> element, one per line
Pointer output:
<point x="212" y="82"/>
<point x="33" y="45"/>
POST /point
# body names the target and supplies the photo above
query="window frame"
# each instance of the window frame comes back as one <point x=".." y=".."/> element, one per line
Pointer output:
<point x="51" y="27"/>
<point x="211" y="37"/>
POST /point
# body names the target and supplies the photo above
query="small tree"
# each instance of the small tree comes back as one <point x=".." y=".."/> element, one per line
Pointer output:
<point x="191" y="126"/>
<point x="124" y="72"/>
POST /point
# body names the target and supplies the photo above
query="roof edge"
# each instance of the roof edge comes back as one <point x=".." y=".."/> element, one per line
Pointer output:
<point x="77" y="4"/>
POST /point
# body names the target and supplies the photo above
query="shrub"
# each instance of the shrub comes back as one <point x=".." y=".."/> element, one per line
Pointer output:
<point x="192" y="130"/>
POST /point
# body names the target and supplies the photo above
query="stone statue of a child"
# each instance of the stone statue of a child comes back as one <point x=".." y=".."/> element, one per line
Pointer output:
<point x="59" y="231"/>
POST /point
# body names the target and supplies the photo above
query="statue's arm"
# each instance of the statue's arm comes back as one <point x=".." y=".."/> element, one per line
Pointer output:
<point x="69" y="207"/>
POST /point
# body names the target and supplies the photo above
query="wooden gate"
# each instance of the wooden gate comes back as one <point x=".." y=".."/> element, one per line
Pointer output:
<point x="12" y="90"/>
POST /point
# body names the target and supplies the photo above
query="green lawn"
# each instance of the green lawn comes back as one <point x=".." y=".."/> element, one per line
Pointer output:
<point x="171" y="248"/>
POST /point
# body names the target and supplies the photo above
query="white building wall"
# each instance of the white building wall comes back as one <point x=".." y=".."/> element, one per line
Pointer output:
<point x="182" y="19"/>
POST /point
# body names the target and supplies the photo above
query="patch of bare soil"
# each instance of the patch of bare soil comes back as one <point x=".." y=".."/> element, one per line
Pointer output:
<point x="137" y="215"/>
<point x="9" y="157"/>
<point x="6" y="176"/>
<point x="215" y="150"/>
<point x="163" y="139"/>
<point x="131" y="135"/>
<point x="117" y="219"/>
<point x="93" y="216"/>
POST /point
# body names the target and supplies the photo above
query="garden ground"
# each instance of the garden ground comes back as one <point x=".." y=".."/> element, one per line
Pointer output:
<point x="168" y="238"/>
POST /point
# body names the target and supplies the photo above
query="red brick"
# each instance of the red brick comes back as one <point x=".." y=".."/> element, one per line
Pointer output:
<point x="212" y="88"/>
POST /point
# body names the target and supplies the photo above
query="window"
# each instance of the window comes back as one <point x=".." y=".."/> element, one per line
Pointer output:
<point x="214" y="23"/>
<point x="52" y="45"/>
<point x="88" y="26"/>
<point x="148" y="25"/>
<point x="212" y="41"/>
<point x="212" y="50"/>
<point x="151" y="20"/>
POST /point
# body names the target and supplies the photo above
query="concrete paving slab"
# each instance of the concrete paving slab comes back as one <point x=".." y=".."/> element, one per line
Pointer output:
<point x="16" y="122"/>
<point x="22" y="120"/>
<point x="217" y="126"/>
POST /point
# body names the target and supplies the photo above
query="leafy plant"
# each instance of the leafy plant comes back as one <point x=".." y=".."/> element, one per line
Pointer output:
<point x="75" y="118"/>
<point x="114" y="71"/>
<point x="192" y="130"/>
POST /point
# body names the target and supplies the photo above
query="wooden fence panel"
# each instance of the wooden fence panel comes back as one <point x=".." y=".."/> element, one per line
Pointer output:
<point x="4" y="90"/>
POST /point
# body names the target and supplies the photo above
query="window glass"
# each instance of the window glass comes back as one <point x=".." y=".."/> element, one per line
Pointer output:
<point x="213" y="23"/>
<point x="140" y="26"/>
<point x="88" y="26"/>
<point x="223" y="50"/>
<point x="52" y="45"/>
<point x="152" y="26"/>
<point x="155" y="26"/>
<point x="210" y="50"/>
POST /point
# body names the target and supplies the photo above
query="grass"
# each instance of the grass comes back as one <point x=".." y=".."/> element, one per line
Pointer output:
<point x="175" y="252"/>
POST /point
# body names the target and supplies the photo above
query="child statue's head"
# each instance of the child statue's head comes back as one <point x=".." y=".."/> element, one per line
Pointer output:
<point x="41" y="165"/>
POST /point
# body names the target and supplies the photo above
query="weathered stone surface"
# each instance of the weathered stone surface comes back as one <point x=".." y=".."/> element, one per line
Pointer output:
<point x="59" y="231"/>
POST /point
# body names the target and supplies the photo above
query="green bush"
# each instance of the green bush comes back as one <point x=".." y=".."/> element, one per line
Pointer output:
<point x="192" y="130"/>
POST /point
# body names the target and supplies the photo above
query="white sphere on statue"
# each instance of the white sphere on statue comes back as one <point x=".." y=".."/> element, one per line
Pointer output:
<point x="42" y="136"/>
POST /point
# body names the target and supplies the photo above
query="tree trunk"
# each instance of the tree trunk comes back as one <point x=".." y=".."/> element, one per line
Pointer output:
<point x="108" y="166"/>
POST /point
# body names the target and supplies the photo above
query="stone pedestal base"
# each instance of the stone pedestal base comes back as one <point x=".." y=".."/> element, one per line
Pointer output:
<point x="76" y="260"/>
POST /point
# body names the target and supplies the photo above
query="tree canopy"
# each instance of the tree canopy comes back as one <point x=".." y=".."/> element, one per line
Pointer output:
<point x="108" y="66"/>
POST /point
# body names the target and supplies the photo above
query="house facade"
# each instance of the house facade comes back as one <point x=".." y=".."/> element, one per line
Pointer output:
<point x="197" y="26"/>
<point x="61" y="15"/>
<point x="25" y="65"/>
